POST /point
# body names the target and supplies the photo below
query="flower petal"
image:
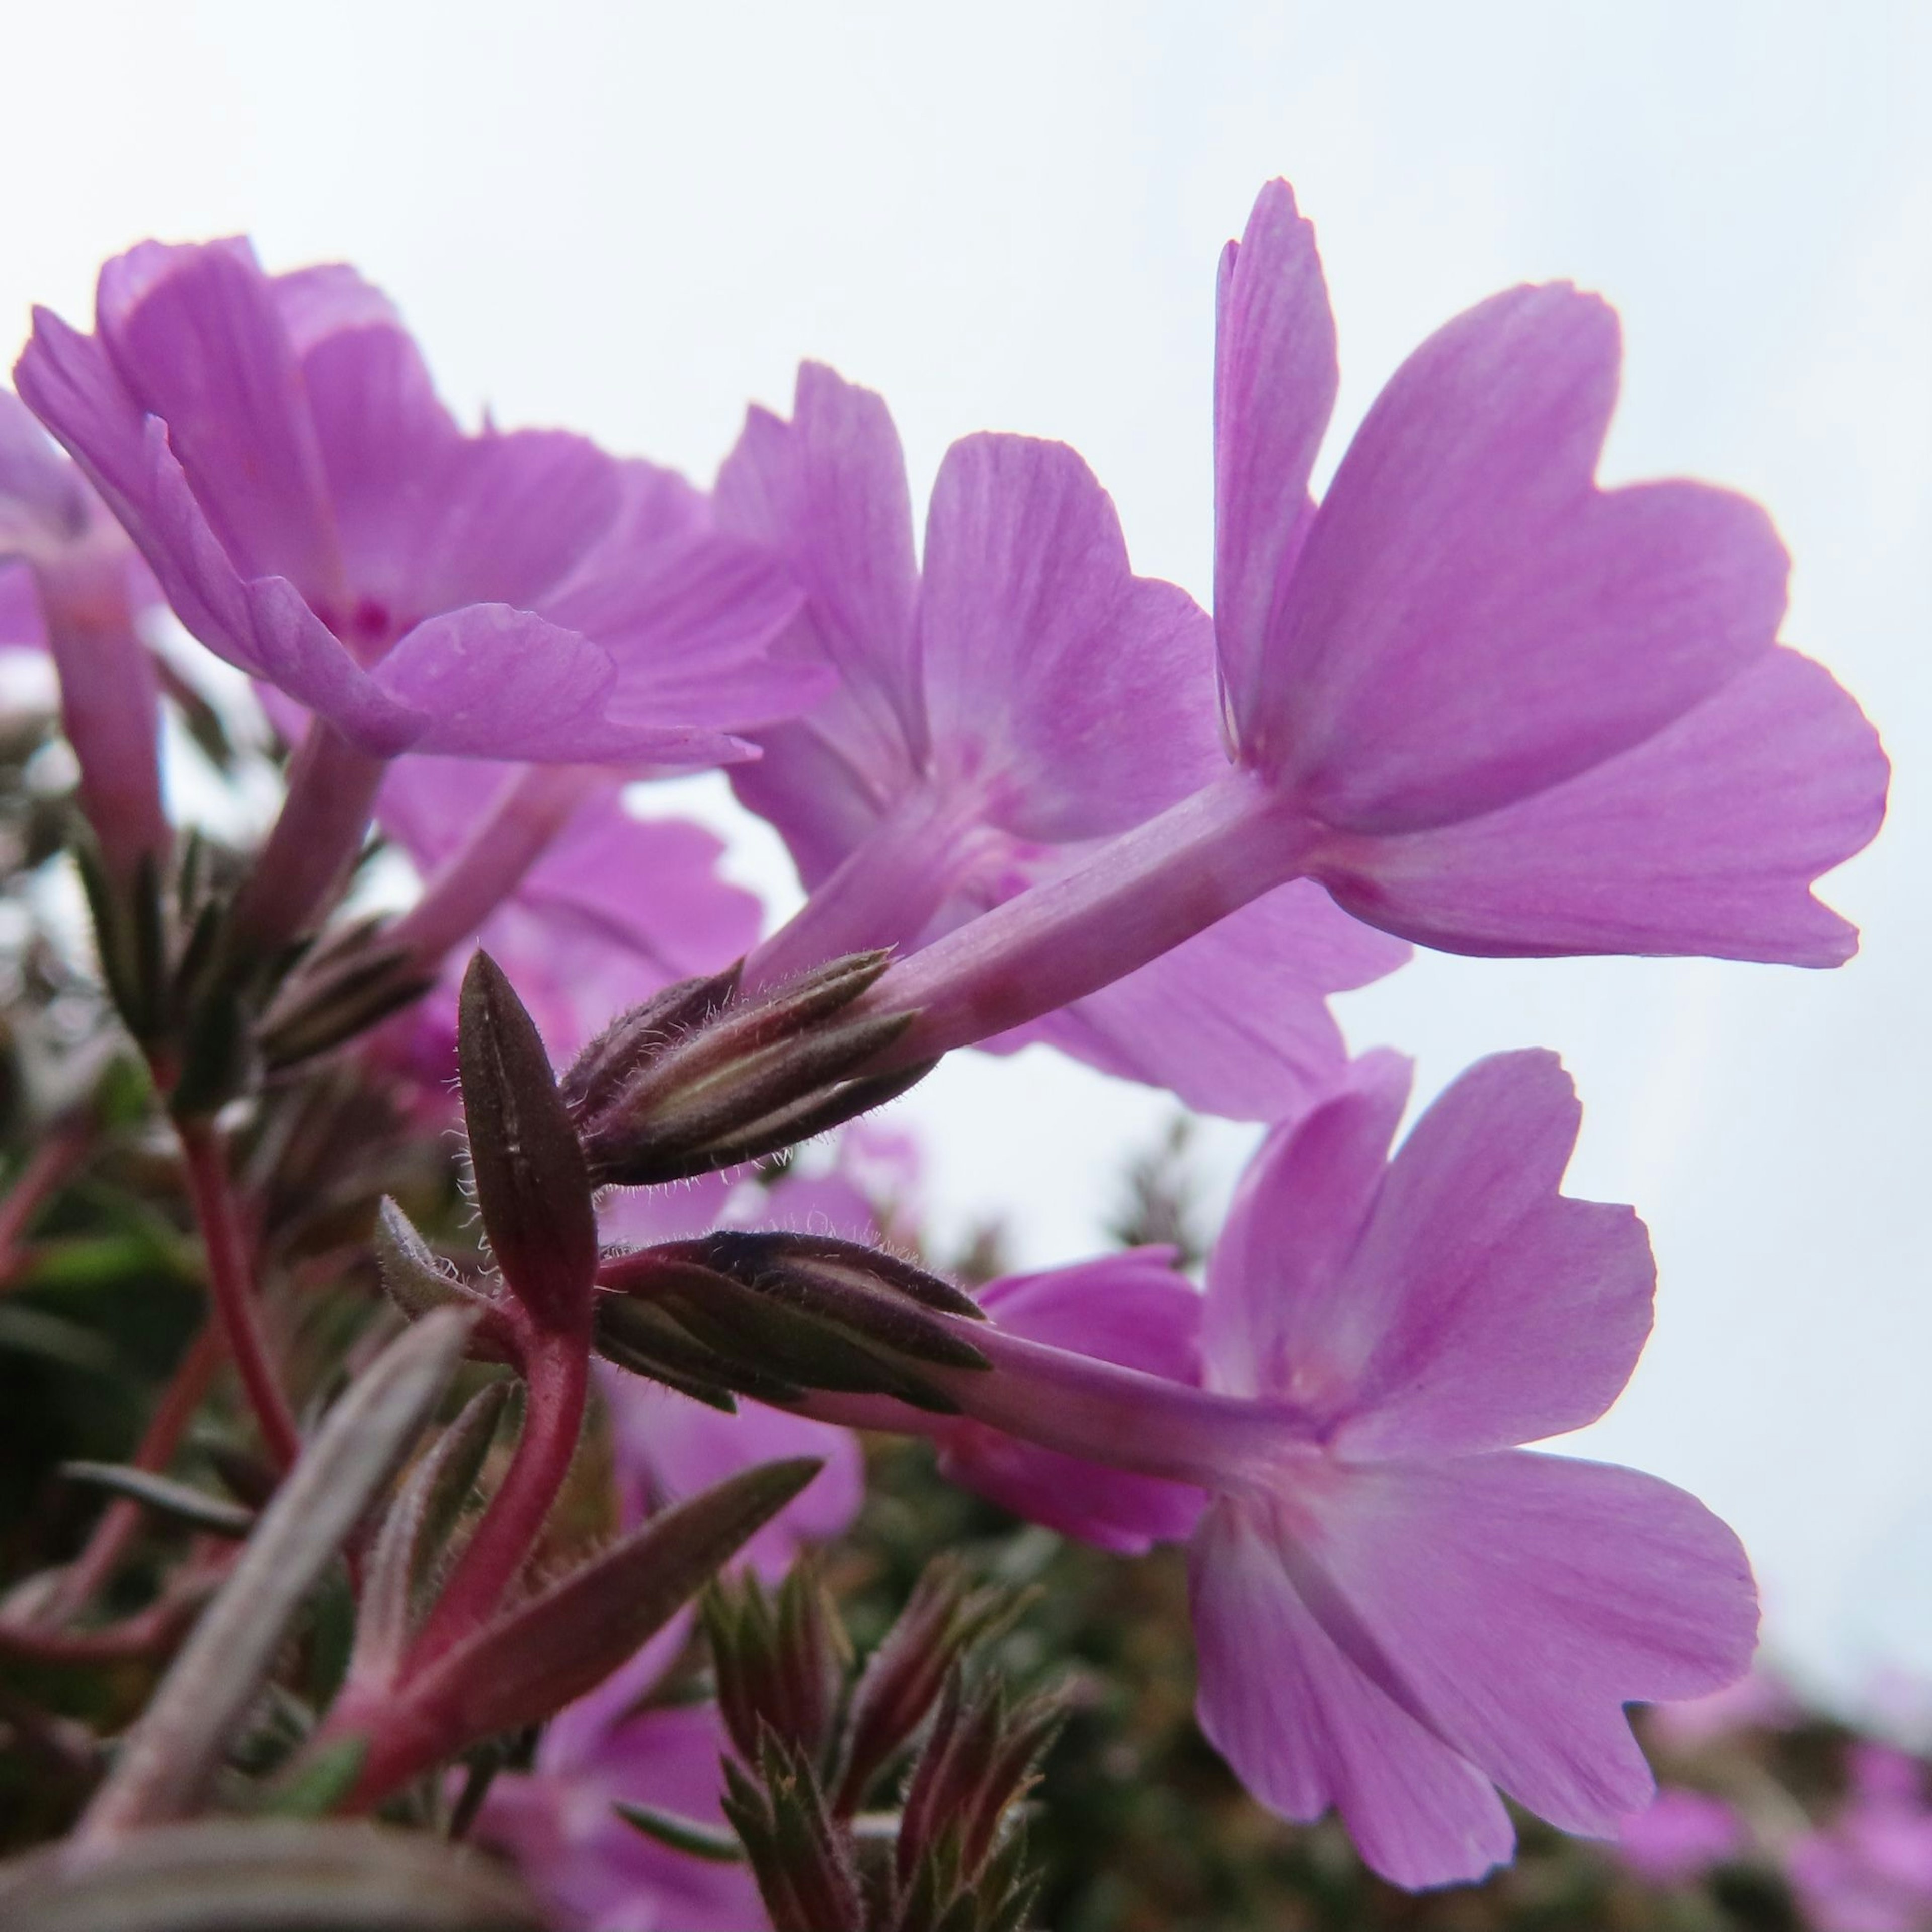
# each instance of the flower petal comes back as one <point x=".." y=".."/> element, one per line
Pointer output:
<point x="1078" y="696"/>
<point x="1274" y="1279"/>
<point x="388" y="447"/>
<point x="20" y="625"/>
<point x="195" y="335"/>
<point x="1275" y="379"/>
<point x="1704" y="838"/>
<point x="691" y="626"/>
<point x="1304" y="1730"/>
<point x="518" y="512"/>
<point x="501" y="683"/>
<point x="1233" y="1021"/>
<point x="1471" y="619"/>
<point x="827" y="492"/>
<point x="1514" y="1604"/>
<point x="1481" y="1308"/>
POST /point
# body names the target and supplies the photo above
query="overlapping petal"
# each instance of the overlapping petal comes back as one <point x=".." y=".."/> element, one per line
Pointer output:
<point x="1075" y="696"/>
<point x="1704" y="838"/>
<point x="194" y="334"/>
<point x="1306" y="1731"/>
<point x="1275" y="379"/>
<point x="1471" y="619"/>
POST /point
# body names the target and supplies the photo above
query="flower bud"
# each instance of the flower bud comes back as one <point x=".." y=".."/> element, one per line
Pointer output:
<point x="780" y="1664"/>
<point x="741" y="1310"/>
<point x="696" y="1079"/>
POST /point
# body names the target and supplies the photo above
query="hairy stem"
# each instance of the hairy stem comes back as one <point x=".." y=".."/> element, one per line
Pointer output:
<point x="556" y="1373"/>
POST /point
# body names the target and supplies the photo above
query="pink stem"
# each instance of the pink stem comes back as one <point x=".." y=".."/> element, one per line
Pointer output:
<point x="47" y="1172"/>
<point x="521" y="823"/>
<point x="556" y="1372"/>
<point x="122" y="1517"/>
<point x="314" y="843"/>
<point x="1137" y="897"/>
<point x="883" y="894"/>
<point x="233" y="1294"/>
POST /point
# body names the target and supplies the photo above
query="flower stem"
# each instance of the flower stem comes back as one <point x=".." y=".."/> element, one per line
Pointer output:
<point x="232" y="1292"/>
<point x="1138" y="896"/>
<point x="1099" y="1411"/>
<point x="47" y="1172"/>
<point x="519" y="826"/>
<point x="556" y="1378"/>
<point x="111" y="1534"/>
<point x="314" y="844"/>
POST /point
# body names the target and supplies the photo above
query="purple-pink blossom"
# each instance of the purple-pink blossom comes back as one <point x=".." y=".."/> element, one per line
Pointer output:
<point x="1419" y="1610"/>
<point x="1870" y="1868"/>
<point x="1398" y="1610"/>
<point x="317" y="517"/>
<point x="1002" y="711"/>
<point x="1679" y="1835"/>
<point x="69" y="581"/>
<point x="1490" y="705"/>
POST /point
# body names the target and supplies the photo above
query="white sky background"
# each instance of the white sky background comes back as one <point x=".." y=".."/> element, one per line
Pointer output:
<point x="630" y="219"/>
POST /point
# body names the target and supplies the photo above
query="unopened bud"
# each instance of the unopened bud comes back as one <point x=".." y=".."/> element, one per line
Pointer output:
<point x="780" y="1665"/>
<point x="805" y="1870"/>
<point x="977" y="1763"/>
<point x="696" y="1079"/>
<point x="348" y="985"/>
<point x="904" y="1675"/>
<point x="814" y="1313"/>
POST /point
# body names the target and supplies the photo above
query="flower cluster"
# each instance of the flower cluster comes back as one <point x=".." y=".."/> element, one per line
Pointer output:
<point x="1470" y="699"/>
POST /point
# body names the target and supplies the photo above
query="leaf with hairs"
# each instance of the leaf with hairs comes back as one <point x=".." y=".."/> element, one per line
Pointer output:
<point x="170" y="1756"/>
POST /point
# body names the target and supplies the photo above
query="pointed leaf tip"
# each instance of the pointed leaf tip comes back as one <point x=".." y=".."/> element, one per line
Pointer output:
<point x="533" y="1188"/>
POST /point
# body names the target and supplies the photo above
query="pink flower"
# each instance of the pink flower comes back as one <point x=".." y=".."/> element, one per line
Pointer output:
<point x="317" y="517"/>
<point x="69" y="581"/>
<point x="1490" y="705"/>
<point x="1679" y="1836"/>
<point x="999" y="714"/>
<point x="1397" y="1610"/>
<point x="1870" y="1869"/>
<point x="597" y="1873"/>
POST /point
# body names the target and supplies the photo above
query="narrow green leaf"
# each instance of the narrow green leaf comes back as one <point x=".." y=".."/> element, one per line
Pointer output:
<point x="682" y="1835"/>
<point x="180" y="1501"/>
